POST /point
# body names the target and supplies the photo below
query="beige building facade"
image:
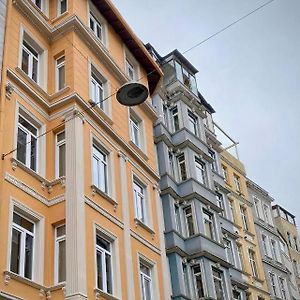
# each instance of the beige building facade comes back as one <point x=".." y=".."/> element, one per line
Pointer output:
<point x="80" y="216"/>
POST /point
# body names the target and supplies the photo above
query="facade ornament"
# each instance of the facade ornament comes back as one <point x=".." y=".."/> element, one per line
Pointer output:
<point x="9" y="89"/>
<point x="98" y="295"/>
<point x="93" y="191"/>
<point x="7" y="279"/>
<point x="50" y="189"/>
<point x="48" y="295"/>
<point x="115" y="207"/>
<point x="62" y="181"/>
<point x="63" y="290"/>
<point x="41" y="293"/>
<point x="43" y="185"/>
<point x="14" y="165"/>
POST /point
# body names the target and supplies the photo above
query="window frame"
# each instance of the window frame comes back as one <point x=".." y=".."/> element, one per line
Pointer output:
<point x="220" y="280"/>
<point x="59" y="144"/>
<point x="186" y="223"/>
<point x="174" y="112"/>
<point x="135" y="125"/>
<point x="195" y="280"/>
<point x="151" y="267"/>
<point x="29" y="50"/>
<point x="252" y="261"/>
<point x="193" y="123"/>
<point x="58" y="66"/>
<point x="211" y="223"/>
<point x="244" y="217"/>
<point x="145" y="218"/>
<point x="237" y="183"/>
<point x="59" y="7"/>
<point x="200" y="169"/>
<point x="58" y="240"/>
<point x="179" y="164"/>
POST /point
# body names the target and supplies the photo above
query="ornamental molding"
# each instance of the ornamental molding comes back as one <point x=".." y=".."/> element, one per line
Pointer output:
<point x="30" y="191"/>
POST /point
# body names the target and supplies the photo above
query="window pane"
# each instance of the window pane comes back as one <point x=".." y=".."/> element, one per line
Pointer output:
<point x="108" y="273"/>
<point x="62" y="160"/>
<point x="61" y="77"/>
<point x="27" y="125"/>
<point x="25" y="61"/>
<point x="63" y="6"/>
<point x="60" y="231"/>
<point x="102" y="243"/>
<point x="28" y="256"/>
<point x="147" y="290"/>
<point x="34" y="69"/>
<point x="33" y="153"/>
<point x="15" y="251"/>
<point x="99" y="270"/>
<point x="23" y="222"/>
<point x="21" y="146"/>
<point x="61" y="260"/>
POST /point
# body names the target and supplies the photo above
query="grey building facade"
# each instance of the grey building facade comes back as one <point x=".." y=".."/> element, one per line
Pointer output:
<point x="200" y="238"/>
<point x="275" y="259"/>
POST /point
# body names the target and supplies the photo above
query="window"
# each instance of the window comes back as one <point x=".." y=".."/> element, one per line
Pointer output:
<point x="296" y="243"/>
<point x="38" y="3"/>
<point x="60" y="154"/>
<point x="237" y="183"/>
<point x="60" y="253"/>
<point x="244" y="217"/>
<point x="282" y="288"/>
<point x="189" y="220"/>
<point x="266" y="211"/>
<point x="181" y="167"/>
<point x="178" y="225"/>
<point x="220" y="202"/>
<point x="273" y="249"/>
<point x="295" y="267"/>
<point x="240" y="256"/>
<point x="146" y="282"/>
<point x="256" y="206"/>
<point x="139" y="199"/>
<point x="62" y="7"/>
<point x="165" y="115"/>
<point x="214" y="165"/>
<point x="171" y="163"/>
<point x="30" y="61"/>
<point x="200" y="171"/>
<point x="22" y="245"/>
<point x="225" y="173"/>
<point x="231" y="206"/>
<point x="186" y="279"/>
<point x="97" y="91"/>
<point x="219" y="284"/>
<point x="99" y="166"/>
<point x="236" y="295"/>
<point x="229" y="250"/>
<point x="104" y="264"/>
<point x="135" y="130"/>
<point x="208" y="224"/>
<point x="273" y="283"/>
<point x="289" y="239"/>
<point x="193" y="123"/>
<point x="265" y="244"/>
<point x="253" y="262"/>
<point x="96" y="27"/>
<point x="129" y="69"/>
<point x="198" y="281"/>
<point x="27" y="143"/>
<point x="175" y="118"/>
<point x="60" y="73"/>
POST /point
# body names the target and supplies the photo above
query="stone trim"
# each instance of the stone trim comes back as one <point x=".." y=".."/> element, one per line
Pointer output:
<point x="30" y="191"/>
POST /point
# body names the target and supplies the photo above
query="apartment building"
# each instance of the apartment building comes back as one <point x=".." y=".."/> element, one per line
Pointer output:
<point x="286" y="226"/>
<point x="200" y="239"/>
<point x="241" y="212"/>
<point x="3" y="4"/>
<point x="281" y="282"/>
<point x="80" y="213"/>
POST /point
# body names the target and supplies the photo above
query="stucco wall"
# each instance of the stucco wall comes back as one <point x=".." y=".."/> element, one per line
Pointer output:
<point x="3" y="4"/>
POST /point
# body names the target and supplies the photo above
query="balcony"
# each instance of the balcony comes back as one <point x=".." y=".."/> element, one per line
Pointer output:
<point x="197" y="244"/>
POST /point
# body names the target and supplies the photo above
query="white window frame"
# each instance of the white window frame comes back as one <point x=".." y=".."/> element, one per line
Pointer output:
<point x="58" y="145"/>
<point x="59" y="7"/>
<point x="140" y="201"/>
<point x="135" y="130"/>
<point x="24" y="232"/>
<point x="273" y="283"/>
<point x="44" y="6"/>
<point x="186" y="216"/>
<point x="178" y="217"/>
<point x="252" y="261"/>
<point x="31" y="58"/>
<point x="174" y="111"/>
<point x="179" y="163"/>
<point x="201" y="172"/>
<point x="211" y="222"/>
<point x="104" y="163"/>
<point x="97" y="91"/>
<point x="129" y="68"/>
<point x="229" y="250"/>
<point x="221" y="203"/>
<point x="282" y="287"/>
<point x="143" y="278"/>
<point x="221" y="280"/>
<point x="257" y="204"/>
<point x="244" y="217"/>
<point x="193" y="123"/>
<point x="58" y="240"/>
<point x="237" y="183"/>
<point x="39" y="244"/>
<point x="273" y="245"/>
<point x="58" y="66"/>
<point x="201" y="273"/>
<point x="97" y="25"/>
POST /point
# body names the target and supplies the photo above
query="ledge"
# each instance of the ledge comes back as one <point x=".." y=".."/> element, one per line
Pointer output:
<point x="101" y="112"/>
<point x="143" y="225"/>
<point x="139" y="150"/>
<point x="96" y="190"/>
<point x="8" y="275"/>
<point x="99" y="293"/>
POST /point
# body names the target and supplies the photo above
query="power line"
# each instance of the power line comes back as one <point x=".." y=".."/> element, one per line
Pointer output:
<point x="151" y="72"/>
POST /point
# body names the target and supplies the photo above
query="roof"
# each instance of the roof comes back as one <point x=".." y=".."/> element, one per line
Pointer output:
<point x="283" y="209"/>
<point x="136" y="47"/>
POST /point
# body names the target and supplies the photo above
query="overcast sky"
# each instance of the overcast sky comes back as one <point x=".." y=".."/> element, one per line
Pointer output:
<point x="250" y="74"/>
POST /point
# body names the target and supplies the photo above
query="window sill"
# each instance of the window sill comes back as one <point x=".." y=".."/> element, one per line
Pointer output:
<point x="59" y="17"/>
<point x="32" y="82"/>
<point x="139" y="150"/>
<point x="102" y="113"/>
<point x="143" y="225"/>
<point x="59" y="93"/>
<point x="99" y="293"/>
<point x="96" y="190"/>
<point x="44" y="181"/>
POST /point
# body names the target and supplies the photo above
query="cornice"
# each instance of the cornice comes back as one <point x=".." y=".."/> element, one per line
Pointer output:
<point x="31" y="191"/>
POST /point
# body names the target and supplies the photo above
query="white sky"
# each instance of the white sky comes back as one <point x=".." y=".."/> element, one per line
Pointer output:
<point x="249" y="73"/>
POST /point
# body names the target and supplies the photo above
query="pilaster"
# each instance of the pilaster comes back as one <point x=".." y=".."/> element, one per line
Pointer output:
<point x="76" y="286"/>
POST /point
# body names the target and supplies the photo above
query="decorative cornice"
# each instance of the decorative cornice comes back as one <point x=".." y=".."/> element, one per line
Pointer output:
<point x="145" y="242"/>
<point x="30" y="191"/>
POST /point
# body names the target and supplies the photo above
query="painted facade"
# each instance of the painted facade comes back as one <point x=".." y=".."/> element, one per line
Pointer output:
<point x="201" y="239"/>
<point x="80" y="215"/>
<point x="276" y="262"/>
<point x="3" y="4"/>
<point x="241" y="211"/>
<point x="287" y="228"/>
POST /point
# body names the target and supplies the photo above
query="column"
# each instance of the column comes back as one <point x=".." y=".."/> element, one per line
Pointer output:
<point x="76" y="286"/>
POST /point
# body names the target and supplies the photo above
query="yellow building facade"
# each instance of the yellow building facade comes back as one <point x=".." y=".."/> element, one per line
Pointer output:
<point x="80" y="214"/>
<point x="241" y="212"/>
